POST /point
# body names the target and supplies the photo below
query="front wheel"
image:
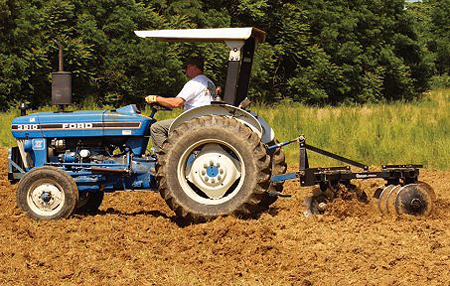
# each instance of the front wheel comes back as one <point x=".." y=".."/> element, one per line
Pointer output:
<point x="212" y="166"/>
<point x="47" y="193"/>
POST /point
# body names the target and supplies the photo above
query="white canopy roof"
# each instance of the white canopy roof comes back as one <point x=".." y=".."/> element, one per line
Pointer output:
<point x="205" y="35"/>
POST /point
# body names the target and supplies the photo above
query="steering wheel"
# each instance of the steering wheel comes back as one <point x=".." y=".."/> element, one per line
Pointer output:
<point x="156" y="106"/>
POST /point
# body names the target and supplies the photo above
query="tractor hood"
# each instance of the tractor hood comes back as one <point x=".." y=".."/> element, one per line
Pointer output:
<point x="125" y="121"/>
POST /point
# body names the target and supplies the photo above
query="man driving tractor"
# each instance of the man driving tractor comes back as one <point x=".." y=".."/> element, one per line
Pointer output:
<point x="198" y="91"/>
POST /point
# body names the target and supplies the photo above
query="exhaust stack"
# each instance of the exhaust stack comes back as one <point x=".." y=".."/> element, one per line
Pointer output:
<point x="61" y="83"/>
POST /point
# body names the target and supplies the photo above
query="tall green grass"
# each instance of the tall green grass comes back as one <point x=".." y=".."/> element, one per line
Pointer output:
<point x="386" y="133"/>
<point x="6" y="138"/>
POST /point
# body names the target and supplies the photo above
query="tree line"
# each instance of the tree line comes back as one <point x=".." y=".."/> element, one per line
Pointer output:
<point x="317" y="51"/>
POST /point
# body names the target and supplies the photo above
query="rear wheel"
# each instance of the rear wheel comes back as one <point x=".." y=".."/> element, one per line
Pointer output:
<point x="47" y="193"/>
<point x="212" y="166"/>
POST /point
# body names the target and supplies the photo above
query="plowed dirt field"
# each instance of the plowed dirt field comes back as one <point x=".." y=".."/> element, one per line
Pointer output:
<point x="135" y="240"/>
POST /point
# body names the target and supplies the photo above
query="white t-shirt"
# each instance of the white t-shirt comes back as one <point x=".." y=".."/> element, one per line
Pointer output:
<point x="197" y="92"/>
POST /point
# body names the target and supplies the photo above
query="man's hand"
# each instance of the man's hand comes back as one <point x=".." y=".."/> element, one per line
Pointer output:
<point x="151" y="99"/>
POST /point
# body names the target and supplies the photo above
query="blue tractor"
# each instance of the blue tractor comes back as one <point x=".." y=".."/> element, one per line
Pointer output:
<point x="213" y="163"/>
<point x="219" y="159"/>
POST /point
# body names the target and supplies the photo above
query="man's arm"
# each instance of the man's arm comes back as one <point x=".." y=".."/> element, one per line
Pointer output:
<point x="171" y="102"/>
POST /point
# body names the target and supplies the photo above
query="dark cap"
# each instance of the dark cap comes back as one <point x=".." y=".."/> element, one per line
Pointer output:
<point x="196" y="61"/>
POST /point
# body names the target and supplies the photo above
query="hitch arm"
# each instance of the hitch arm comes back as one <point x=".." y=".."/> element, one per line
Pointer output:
<point x="335" y="156"/>
<point x="303" y="155"/>
<point x="282" y="144"/>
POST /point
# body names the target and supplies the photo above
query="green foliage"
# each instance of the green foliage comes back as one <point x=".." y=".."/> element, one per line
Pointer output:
<point x="100" y="49"/>
<point x="364" y="51"/>
<point x="440" y="81"/>
<point x="331" y="52"/>
<point x="432" y="21"/>
<point x="440" y="38"/>
<point x="317" y="51"/>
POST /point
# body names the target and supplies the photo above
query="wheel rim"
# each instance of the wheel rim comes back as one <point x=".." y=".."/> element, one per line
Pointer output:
<point x="45" y="198"/>
<point x="211" y="172"/>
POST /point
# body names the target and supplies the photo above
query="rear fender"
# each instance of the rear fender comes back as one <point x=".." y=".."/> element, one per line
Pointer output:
<point x="248" y="118"/>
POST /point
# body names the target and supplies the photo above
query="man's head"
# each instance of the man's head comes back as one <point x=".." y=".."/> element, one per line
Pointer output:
<point x="193" y="67"/>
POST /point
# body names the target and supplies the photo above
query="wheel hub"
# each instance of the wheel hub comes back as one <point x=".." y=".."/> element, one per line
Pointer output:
<point x="416" y="204"/>
<point x="46" y="197"/>
<point x="213" y="171"/>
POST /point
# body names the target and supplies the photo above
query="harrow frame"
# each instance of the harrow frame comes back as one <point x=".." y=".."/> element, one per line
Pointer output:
<point x="393" y="174"/>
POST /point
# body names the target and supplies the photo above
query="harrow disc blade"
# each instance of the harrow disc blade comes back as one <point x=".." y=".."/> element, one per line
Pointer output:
<point x="414" y="199"/>
<point x="429" y="189"/>
<point x="383" y="199"/>
<point x="317" y="203"/>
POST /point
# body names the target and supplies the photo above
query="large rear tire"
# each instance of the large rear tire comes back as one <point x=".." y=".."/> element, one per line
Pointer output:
<point x="47" y="193"/>
<point x="212" y="166"/>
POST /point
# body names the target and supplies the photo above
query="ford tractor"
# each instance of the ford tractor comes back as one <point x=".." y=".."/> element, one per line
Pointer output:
<point x="219" y="159"/>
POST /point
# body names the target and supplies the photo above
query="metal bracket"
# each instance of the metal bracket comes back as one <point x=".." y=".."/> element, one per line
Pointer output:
<point x="17" y="167"/>
<point x="283" y="177"/>
<point x="235" y="50"/>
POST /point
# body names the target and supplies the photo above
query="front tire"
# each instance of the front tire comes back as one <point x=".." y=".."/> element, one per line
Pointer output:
<point x="47" y="193"/>
<point x="212" y="166"/>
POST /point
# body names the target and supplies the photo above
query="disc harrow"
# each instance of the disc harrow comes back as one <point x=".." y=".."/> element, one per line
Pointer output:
<point x="325" y="193"/>
<point x="411" y="199"/>
<point x="403" y="193"/>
